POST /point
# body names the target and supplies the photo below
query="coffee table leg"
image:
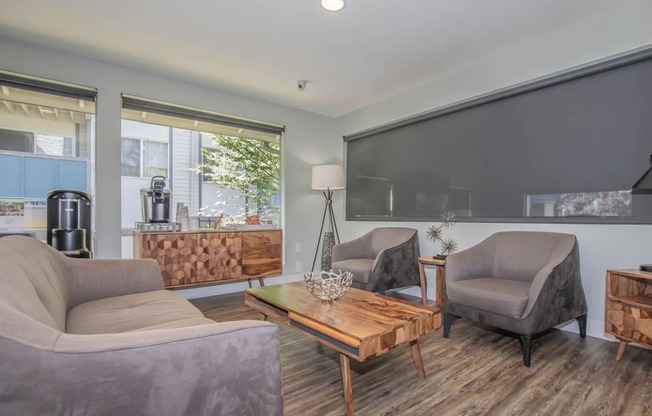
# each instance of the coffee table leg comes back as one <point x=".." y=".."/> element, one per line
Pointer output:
<point x="416" y="357"/>
<point x="346" y="384"/>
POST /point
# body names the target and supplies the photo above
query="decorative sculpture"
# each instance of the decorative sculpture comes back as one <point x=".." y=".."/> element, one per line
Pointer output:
<point x="435" y="233"/>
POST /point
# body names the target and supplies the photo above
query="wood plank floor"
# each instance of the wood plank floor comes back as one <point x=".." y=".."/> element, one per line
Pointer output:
<point x="475" y="372"/>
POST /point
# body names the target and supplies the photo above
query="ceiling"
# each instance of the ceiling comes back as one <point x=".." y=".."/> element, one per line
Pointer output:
<point x="369" y="51"/>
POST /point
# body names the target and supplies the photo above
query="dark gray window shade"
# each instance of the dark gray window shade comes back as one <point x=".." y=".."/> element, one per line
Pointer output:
<point x="562" y="151"/>
<point x="48" y="87"/>
<point x="147" y="106"/>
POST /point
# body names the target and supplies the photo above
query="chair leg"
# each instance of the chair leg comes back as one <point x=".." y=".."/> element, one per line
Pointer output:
<point x="581" y="321"/>
<point x="449" y="318"/>
<point x="526" y="343"/>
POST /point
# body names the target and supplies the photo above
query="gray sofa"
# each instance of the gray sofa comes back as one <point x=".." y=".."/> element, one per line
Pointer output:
<point x="384" y="258"/>
<point x="102" y="337"/>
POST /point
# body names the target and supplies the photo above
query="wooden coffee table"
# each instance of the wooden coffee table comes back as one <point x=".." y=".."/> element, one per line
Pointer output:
<point x="360" y="325"/>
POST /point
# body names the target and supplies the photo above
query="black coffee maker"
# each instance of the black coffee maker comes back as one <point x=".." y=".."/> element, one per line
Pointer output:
<point x="69" y="222"/>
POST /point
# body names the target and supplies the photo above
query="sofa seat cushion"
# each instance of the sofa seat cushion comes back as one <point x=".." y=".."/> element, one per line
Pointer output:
<point x="135" y="312"/>
<point x="501" y="296"/>
<point x="360" y="268"/>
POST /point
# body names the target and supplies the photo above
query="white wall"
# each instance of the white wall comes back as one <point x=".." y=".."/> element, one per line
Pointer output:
<point x="309" y="139"/>
<point x="602" y="247"/>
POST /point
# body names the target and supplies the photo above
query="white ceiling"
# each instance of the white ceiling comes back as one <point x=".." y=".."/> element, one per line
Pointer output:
<point x="371" y="50"/>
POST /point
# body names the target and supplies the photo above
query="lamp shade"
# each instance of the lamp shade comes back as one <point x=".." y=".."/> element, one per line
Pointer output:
<point x="644" y="184"/>
<point x="328" y="177"/>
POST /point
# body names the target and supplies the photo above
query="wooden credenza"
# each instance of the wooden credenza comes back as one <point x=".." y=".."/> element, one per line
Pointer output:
<point x="189" y="258"/>
<point x="628" y="312"/>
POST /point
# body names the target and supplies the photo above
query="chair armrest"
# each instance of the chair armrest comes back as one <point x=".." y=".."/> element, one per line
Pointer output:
<point x="214" y="369"/>
<point x="395" y="266"/>
<point x="558" y="283"/>
<point x="90" y="280"/>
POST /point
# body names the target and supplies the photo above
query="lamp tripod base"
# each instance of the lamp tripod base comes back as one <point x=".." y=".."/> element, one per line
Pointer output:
<point x="331" y="236"/>
<point x="327" y="250"/>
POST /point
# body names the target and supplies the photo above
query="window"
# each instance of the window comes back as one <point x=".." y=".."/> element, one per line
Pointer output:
<point x="156" y="159"/>
<point x="46" y="140"/>
<point x="54" y="145"/>
<point x="215" y="165"/>
<point x="144" y="158"/>
<point x="131" y="157"/>
<point x="16" y="141"/>
<point x="581" y="204"/>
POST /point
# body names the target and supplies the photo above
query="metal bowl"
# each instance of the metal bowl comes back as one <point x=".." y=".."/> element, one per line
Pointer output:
<point x="328" y="285"/>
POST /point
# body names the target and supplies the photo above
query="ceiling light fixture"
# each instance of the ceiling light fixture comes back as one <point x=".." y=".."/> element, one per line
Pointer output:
<point x="332" y="5"/>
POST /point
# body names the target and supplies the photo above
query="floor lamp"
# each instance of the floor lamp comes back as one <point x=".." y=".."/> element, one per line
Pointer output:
<point x="327" y="178"/>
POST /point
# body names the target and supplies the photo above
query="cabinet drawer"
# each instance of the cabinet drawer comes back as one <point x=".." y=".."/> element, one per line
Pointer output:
<point x="629" y="322"/>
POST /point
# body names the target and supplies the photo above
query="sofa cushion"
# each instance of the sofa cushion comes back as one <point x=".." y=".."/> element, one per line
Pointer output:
<point x="501" y="296"/>
<point x="360" y="268"/>
<point x="135" y="312"/>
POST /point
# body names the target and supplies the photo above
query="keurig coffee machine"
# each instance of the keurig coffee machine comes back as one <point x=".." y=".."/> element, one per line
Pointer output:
<point x="69" y="222"/>
<point x="156" y="201"/>
<point x="155" y="204"/>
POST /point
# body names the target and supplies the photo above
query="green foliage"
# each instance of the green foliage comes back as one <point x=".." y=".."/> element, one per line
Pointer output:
<point x="247" y="165"/>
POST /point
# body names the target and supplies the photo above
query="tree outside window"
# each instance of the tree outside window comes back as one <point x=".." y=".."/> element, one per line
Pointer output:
<point x="250" y="167"/>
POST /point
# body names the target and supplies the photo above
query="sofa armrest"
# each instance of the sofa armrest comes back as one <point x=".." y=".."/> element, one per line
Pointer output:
<point x="230" y="368"/>
<point x="90" y="280"/>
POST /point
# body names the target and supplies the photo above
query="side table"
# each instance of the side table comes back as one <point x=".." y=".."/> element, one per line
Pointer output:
<point x="628" y="312"/>
<point x="439" y="264"/>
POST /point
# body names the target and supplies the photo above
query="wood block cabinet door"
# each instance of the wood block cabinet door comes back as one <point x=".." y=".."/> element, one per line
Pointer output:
<point x="175" y="254"/>
<point x="262" y="253"/>
<point x="629" y="307"/>
<point x="219" y="256"/>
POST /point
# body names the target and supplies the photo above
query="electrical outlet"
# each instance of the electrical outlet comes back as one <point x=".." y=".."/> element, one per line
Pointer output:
<point x="297" y="247"/>
<point x="297" y="266"/>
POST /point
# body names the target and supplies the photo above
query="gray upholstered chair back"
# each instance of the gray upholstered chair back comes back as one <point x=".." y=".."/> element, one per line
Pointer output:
<point x="519" y="256"/>
<point x="512" y="255"/>
<point x="388" y="237"/>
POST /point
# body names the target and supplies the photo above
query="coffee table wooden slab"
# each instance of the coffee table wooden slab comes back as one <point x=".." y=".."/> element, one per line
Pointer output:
<point x="360" y="325"/>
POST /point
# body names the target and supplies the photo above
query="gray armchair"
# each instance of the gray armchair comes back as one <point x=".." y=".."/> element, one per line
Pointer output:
<point x="521" y="282"/>
<point x="383" y="259"/>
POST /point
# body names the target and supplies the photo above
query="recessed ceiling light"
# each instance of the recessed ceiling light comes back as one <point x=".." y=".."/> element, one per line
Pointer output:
<point x="332" y="5"/>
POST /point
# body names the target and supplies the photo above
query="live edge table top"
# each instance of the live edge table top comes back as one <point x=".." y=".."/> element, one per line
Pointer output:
<point x="360" y="324"/>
